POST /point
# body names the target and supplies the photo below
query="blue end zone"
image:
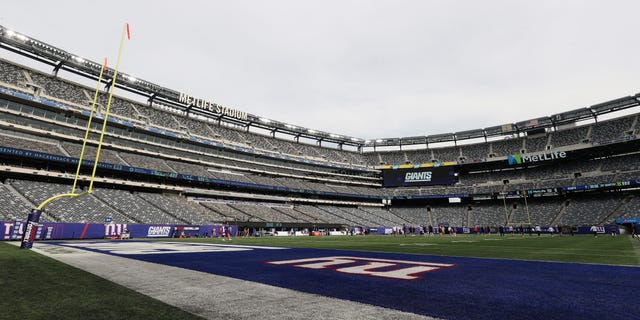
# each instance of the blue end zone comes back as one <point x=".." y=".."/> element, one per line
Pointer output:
<point x="470" y="289"/>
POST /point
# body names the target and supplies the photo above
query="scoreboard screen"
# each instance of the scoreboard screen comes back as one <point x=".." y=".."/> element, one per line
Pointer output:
<point x="418" y="177"/>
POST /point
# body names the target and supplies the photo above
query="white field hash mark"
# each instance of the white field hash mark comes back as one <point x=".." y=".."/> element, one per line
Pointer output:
<point x="368" y="266"/>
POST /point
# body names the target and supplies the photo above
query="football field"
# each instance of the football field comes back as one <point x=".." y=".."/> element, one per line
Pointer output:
<point x="372" y="277"/>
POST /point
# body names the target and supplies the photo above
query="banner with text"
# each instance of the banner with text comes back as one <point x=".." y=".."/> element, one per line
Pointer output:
<point x="418" y="177"/>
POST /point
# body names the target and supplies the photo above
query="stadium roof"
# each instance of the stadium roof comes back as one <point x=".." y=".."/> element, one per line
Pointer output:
<point x="63" y="60"/>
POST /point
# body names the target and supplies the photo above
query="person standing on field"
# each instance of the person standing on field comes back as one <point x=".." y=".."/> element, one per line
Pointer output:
<point x="594" y="230"/>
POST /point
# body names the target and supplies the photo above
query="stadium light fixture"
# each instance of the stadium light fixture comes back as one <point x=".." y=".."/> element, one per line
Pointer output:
<point x="311" y="131"/>
<point x="19" y="36"/>
<point x="379" y="140"/>
<point x="13" y="34"/>
<point x="132" y="79"/>
<point x="265" y="120"/>
<point x="290" y="126"/>
<point x="78" y="59"/>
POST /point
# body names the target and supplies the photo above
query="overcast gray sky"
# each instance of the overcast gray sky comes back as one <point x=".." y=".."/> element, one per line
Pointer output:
<point x="368" y="69"/>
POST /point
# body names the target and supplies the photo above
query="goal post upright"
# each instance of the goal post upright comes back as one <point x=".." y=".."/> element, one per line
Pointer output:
<point x="29" y="233"/>
<point x="125" y="32"/>
<point x="506" y="212"/>
<point x="86" y="134"/>
<point x="526" y="205"/>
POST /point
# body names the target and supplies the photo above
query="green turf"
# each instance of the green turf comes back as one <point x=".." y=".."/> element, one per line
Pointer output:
<point x="33" y="286"/>
<point x="605" y="249"/>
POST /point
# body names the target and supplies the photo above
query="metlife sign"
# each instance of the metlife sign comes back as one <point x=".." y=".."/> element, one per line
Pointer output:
<point x="537" y="157"/>
<point x="418" y="177"/>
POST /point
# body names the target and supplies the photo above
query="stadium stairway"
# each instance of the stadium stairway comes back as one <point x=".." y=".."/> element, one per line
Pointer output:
<point x="283" y="212"/>
<point x="397" y="216"/>
<point x="360" y="220"/>
<point x="132" y="218"/>
<point x="19" y="195"/>
<point x="610" y="218"/>
<point x="334" y="217"/>
<point x="562" y="211"/>
<point x="169" y="213"/>
<point x="66" y="153"/>
<point x="46" y="216"/>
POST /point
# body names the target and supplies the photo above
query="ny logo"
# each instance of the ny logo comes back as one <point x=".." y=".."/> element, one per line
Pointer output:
<point x="384" y="268"/>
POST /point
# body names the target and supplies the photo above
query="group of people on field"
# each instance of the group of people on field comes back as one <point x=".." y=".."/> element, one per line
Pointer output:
<point x="424" y="230"/>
